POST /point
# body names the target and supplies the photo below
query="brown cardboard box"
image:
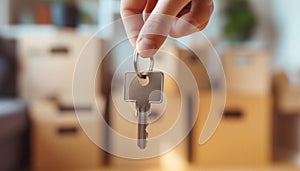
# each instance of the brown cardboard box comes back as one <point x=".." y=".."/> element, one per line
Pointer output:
<point x="58" y="141"/>
<point x="47" y="62"/>
<point x="287" y="94"/>
<point x="197" y="67"/>
<point x="243" y="136"/>
<point x="247" y="71"/>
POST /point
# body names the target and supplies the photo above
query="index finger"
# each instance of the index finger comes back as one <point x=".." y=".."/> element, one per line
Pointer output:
<point x="132" y="22"/>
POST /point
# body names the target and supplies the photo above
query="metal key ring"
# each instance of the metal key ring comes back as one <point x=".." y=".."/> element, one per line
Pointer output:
<point x="138" y="73"/>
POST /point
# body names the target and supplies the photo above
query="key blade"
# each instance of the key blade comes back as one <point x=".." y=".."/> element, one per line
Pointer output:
<point x="142" y="136"/>
<point x="142" y="127"/>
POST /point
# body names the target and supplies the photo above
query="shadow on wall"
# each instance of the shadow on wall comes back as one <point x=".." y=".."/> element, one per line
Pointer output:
<point x="13" y="135"/>
<point x="8" y="69"/>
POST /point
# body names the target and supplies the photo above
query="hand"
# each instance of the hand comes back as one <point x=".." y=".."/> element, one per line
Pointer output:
<point x="160" y="18"/>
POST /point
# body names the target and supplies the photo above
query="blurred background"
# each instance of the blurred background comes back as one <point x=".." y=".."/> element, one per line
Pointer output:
<point x="40" y="41"/>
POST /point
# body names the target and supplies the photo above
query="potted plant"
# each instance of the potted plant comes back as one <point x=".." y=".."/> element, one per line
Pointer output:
<point x="240" y="20"/>
<point x="246" y="64"/>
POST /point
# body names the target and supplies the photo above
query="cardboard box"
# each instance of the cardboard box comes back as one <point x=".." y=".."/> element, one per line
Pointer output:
<point x="243" y="136"/>
<point x="58" y="141"/>
<point x="47" y="63"/>
<point x="287" y="94"/>
<point x="247" y="71"/>
<point x="196" y="66"/>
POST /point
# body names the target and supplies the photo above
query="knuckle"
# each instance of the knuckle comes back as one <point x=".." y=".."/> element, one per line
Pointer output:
<point x="175" y="35"/>
<point x="195" y="20"/>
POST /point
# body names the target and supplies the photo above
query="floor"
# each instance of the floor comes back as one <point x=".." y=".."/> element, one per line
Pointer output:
<point x="273" y="167"/>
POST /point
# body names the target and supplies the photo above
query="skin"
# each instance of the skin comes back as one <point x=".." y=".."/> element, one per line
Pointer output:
<point x="148" y="31"/>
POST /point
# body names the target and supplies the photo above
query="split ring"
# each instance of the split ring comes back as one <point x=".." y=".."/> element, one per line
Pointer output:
<point x="136" y="68"/>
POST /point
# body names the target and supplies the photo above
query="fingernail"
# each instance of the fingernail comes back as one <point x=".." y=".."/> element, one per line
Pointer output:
<point x="146" y="47"/>
<point x="210" y="3"/>
<point x="211" y="10"/>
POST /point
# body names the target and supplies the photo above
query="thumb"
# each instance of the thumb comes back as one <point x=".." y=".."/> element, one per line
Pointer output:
<point x="157" y="26"/>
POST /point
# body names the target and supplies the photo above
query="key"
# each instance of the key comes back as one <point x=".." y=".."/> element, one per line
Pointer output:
<point x="143" y="95"/>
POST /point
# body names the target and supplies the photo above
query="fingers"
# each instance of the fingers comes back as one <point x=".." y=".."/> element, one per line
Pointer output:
<point x="195" y="20"/>
<point x="149" y="8"/>
<point x="185" y="10"/>
<point x="152" y="29"/>
<point x="158" y="25"/>
<point x="132" y="22"/>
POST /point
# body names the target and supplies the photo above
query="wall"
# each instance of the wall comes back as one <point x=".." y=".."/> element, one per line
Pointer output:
<point x="4" y="12"/>
<point x="288" y="24"/>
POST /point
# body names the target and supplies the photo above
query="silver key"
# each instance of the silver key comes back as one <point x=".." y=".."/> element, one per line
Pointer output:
<point x="143" y="96"/>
